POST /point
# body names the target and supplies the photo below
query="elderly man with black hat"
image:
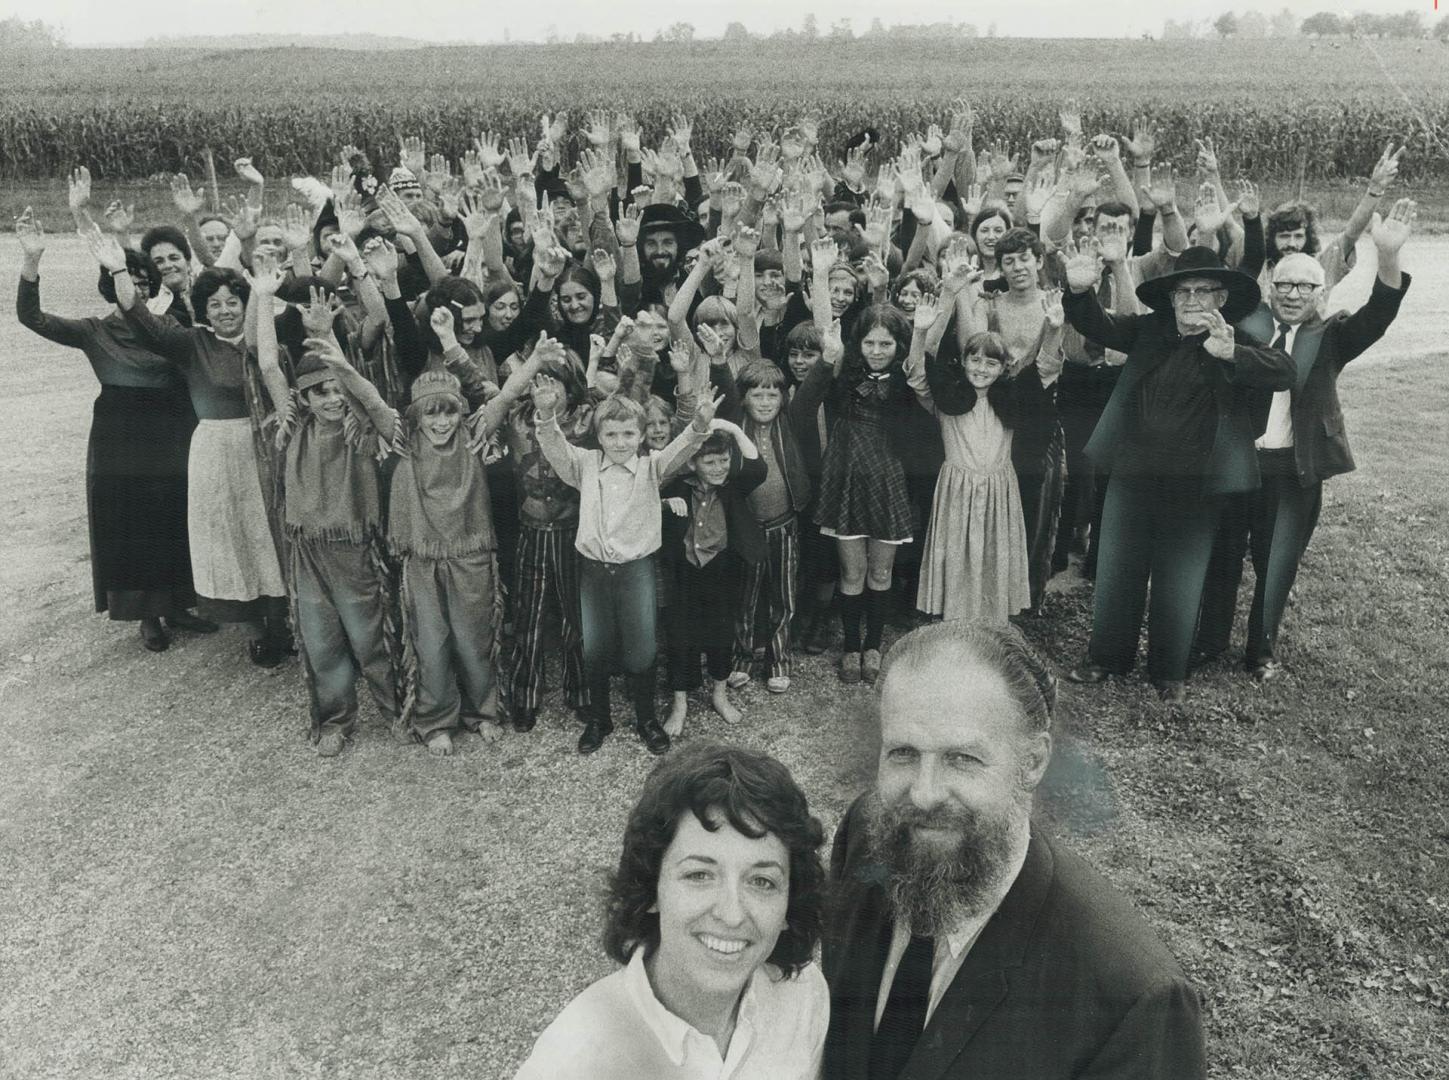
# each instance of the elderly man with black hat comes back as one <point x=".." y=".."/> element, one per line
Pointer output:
<point x="1303" y="442"/>
<point x="1177" y="435"/>
<point x="666" y="233"/>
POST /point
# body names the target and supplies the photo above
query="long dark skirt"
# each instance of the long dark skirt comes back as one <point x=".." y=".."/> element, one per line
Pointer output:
<point x="1041" y="482"/>
<point x="136" y="501"/>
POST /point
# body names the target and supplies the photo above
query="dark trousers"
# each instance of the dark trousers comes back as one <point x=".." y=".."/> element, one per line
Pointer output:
<point x="1274" y="524"/>
<point x="616" y="602"/>
<point x="773" y="580"/>
<point x="342" y="595"/>
<point x="1158" y="529"/>
<point x="1041" y="502"/>
<point x="702" y="616"/>
<point x="546" y="593"/>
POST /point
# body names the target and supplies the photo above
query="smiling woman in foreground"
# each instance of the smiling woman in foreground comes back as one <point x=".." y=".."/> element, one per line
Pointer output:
<point x="715" y="913"/>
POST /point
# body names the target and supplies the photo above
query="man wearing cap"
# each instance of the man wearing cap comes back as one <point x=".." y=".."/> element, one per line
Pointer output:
<point x="1177" y="435"/>
<point x="1303" y="444"/>
<point x="666" y="233"/>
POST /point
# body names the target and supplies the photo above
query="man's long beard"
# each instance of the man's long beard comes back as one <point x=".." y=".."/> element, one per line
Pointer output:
<point x="657" y="273"/>
<point x="933" y="889"/>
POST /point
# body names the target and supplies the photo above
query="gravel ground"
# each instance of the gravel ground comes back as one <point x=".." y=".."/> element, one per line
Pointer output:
<point x="190" y="893"/>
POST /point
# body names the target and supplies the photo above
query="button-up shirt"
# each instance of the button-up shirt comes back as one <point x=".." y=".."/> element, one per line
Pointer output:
<point x="618" y="1030"/>
<point x="951" y="947"/>
<point x="1278" y="435"/>
<point x="708" y="532"/>
<point x="618" y="501"/>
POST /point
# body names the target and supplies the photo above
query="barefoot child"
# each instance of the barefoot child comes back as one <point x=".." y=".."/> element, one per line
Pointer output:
<point x="618" y="535"/>
<point x="439" y="524"/>
<point x="707" y="553"/>
<point x="329" y="431"/>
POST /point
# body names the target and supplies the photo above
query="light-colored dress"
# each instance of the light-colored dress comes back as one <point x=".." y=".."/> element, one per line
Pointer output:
<point x="974" y="565"/>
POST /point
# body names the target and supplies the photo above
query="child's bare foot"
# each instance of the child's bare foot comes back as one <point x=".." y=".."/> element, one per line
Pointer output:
<point x="490" y="731"/>
<point x="330" y="744"/>
<point x="674" y="723"/>
<point x="440" y="744"/>
<point x="719" y="700"/>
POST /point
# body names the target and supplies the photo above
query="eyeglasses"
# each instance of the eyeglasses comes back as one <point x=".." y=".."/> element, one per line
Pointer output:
<point x="1182" y="296"/>
<point x="1289" y="288"/>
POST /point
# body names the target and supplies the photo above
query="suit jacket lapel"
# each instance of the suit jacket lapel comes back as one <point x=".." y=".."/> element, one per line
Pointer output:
<point x="1305" y="349"/>
<point x="984" y="979"/>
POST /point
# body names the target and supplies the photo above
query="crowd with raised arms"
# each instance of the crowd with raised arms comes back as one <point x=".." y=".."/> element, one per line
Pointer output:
<point x="608" y="401"/>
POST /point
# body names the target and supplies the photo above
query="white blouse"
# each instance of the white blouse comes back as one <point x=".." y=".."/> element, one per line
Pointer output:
<point x="618" y="1030"/>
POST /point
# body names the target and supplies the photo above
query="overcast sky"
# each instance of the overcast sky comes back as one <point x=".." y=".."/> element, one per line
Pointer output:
<point x="90" y="22"/>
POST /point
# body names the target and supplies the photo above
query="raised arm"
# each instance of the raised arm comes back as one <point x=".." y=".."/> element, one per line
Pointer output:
<point x="562" y="456"/>
<point x="516" y="385"/>
<point x="407" y="224"/>
<point x="1366" y="325"/>
<point x="1384" y="173"/>
<point x="1084" y="311"/>
<point x="745" y="242"/>
<point x="684" y="297"/>
<point x="71" y="332"/>
<point x="264" y="284"/>
<point x="166" y="338"/>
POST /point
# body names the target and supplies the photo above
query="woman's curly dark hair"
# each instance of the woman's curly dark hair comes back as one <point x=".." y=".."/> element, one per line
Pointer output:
<point x="209" y="282"/>
<point x="757" y="796"/>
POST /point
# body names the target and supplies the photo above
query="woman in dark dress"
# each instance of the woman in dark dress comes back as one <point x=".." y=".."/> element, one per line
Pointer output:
<point x="136" y="458"/>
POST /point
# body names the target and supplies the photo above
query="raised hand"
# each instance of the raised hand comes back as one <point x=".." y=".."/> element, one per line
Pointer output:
<point x="317" y="316"/>
<point x="931" y="145"/>
<point x="1207" y="216"/>
<point x="486" y="147"/>
<point x="877" y="276"/>
<point x="342" y="245"/>
<point x="1390" y="233"/>
<point x="741" y="140"/>
<point x="520" y="158"/>
<point x="30" y="233"/>
<point x="708" y="405"/>
<point x="1387" y="167"/>
<point x="878" y="225"/>
<point x="1142" y="143"/>
<point x="1071" y="118"/>
<point x="441" y="321"/>
<point x="1207" y="157"/>
<point x="187" y="201"/>
<point x="765" y="174"/>
<point x="710" y="340"/>
<point x="955" y="254"/>
<point x="744" y="240"/>
<point x="792" y="144"/>
<point x="681" y="132"/>
<point x="118" y="217"/>
<point x="1248" y="202"/>
<point x="347" y="205"/>
<point x="604" y="266"/>
<point x="681" y="359"/>
<point x="244" y="217"/>
<point x="547" y="393"/>
<point x="403" y="219"/>
<point x="823" y="254"/>
<point x="1163" y="189"/>
<point x="1083" y="266"/>
<point x="78" y="193"/>
<point x="793" y="212"/>
<point x="295" y="231"/>
<point x="1042" y="151"/>
<point x="962" y="121"/>
<point x="928" y="310"/>
<point x="1051" y="306"/>
<point x="626" y="229"/>
<point x="1105" y="148"/>
<point x="1220" y="339"/>
<point x="247" y="171"/>
<point x="1040" y="193"/>
<point x="1112" y="242"/>
<point x="852" y="169"/>
<point x="597" y="128"/>
<point x="381" y="259"/>
<point x="104" y="246"/>
<point x="550" y="260"/>
<point x="265" y="280"/>
<point x="628" y="130"/>
<point x="971" y="203"/>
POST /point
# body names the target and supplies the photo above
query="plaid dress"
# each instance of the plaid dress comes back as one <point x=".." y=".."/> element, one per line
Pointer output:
<point x="863" y="486"/>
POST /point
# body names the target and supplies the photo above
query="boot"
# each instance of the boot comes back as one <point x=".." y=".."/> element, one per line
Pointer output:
<point x="646" y="723"/>
<point x="597" y="722"/>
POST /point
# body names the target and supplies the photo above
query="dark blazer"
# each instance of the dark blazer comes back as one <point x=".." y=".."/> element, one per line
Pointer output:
<point x="1321" y="348"/>
<point x="1066" y="980"/>
<point x="1232" y="463"/>
<point x="745" y="536"/>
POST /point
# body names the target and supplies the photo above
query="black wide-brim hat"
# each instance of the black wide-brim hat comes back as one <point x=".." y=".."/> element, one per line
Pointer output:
<point x="1201" y="262"/>
<point x="665" y="217"/>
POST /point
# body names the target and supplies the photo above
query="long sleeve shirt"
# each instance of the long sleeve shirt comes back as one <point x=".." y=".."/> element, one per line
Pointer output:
<point x="116" y="352"/>
<point x="618" y="501"/>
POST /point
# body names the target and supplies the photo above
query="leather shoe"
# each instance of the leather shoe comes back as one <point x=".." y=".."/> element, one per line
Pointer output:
<point x="153" y="636"/>
<point x="593" y="735"/>
<point x="192" y="624"/>
<point x="1197" y="658"/>
<point x="1172" y="691"/>
<point x="524" y="719"/>
<point x="1267" y="671"/>
<point x="653" y="736"/>
<point x="1090" y="674"/>
<point x="265" y="652"/>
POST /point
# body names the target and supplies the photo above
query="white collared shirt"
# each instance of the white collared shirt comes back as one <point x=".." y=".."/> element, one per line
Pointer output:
<point x="1278" y="435"/>
<point x="618" y="1030"/>
<point x="951" y="948"/>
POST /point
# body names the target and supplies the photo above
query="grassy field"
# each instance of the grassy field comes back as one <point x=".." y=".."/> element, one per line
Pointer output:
<point x="191" y="893"/>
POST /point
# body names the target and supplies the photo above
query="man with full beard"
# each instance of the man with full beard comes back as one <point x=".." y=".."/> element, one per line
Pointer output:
<point x="665" y="235"/>
<point x="964" y="941"/>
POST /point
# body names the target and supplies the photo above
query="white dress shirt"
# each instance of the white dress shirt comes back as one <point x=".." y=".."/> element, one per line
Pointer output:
<point x="951" y="948"/>
<point x="1278" y="435"/>
<point x="618" y="1030"/>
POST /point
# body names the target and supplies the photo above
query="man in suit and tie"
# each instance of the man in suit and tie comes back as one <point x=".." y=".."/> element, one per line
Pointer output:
<point x="964" y="942"/>
<point x="1303" y="444"/>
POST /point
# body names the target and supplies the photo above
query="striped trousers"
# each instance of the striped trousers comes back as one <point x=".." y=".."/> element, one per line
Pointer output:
<point x="774" y="577"/>
<point x="546" y="581"/>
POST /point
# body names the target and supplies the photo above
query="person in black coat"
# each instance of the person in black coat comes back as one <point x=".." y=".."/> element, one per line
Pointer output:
<point x="1302" y="445"/>
<point x="708" y="538"/>
<point x="962" y="941"/>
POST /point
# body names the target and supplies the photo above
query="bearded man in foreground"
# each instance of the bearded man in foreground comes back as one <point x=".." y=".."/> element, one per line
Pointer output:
<point x="965" y="942"/>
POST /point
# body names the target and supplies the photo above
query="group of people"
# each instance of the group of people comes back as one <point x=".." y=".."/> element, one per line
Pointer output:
<point x="421" y="431"/>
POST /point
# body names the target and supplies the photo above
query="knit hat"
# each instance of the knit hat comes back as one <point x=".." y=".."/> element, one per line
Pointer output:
<point x="437" y="383"/>
<point x="403" y="179"/>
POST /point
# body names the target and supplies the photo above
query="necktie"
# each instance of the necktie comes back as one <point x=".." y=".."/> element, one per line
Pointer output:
<point x="1281" y="341"/>
<point x="905" y="1013"/>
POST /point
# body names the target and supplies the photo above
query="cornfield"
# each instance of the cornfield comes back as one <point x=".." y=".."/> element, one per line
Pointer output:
<point x="1272" y="107"/>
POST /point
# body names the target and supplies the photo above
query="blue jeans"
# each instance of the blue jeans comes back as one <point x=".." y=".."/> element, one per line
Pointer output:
<point x="617" y="602"/>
